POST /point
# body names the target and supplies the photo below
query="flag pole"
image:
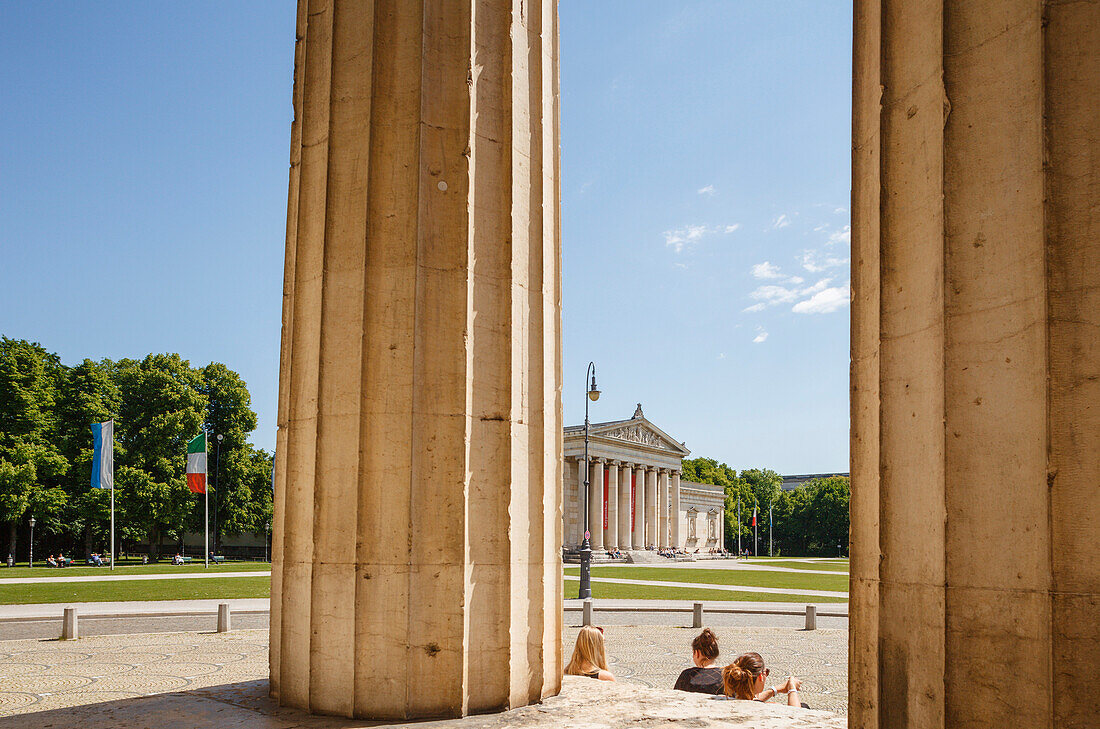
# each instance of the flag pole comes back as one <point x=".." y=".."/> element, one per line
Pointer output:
<point x="206" y="526"/>
<point x="738" y="526"/>
<point x="112" y="524"/>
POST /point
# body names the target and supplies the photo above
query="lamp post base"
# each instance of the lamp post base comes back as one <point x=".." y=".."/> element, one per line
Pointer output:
<point x="586" y="571"/>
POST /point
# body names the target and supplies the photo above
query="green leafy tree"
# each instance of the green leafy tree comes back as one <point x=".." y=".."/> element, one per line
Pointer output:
<point x="88" y="394"/>
<point x="161" y="408"/>
<point x="31" y="467"/>
<point x="237" y="468"/>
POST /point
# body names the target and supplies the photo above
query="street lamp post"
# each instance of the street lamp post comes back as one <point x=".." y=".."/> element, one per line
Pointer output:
<point x="592" y="394"/>
<point x="30" y="560"/>
<point x="217" y="488"/>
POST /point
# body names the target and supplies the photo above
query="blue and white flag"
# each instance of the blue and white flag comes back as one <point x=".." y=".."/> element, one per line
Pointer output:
<point x="103" y="455"/>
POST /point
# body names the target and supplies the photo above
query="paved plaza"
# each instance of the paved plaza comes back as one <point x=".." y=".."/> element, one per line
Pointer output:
<point x="42" y="680"/>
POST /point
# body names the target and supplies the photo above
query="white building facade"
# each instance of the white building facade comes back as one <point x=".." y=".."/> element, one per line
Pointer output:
<point x="638" y="500"/>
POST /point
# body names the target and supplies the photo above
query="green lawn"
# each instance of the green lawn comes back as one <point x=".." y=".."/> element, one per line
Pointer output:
<point x="615" y="591"/>
<point x="831" y="566"/>
<point x="123" y="590"/>
<point x="747" y="578"/>
<point x="129" y="569"/>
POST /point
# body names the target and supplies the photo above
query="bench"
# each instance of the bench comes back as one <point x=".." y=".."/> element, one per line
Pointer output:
<point x="217" y="558"/>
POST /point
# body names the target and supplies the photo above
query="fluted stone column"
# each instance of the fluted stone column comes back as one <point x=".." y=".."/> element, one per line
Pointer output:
<point x="577" y="525"/>
<point x="662" y="508"/>
<point x="611" y="534"/>
<point x="595" y="503"/>
<point x="651" y="506"/>
<point x="639" y="507"/>
<point x="416" y="563"/>
<point x="623" y="512"/>
<point x="675" y="510"/>
<point x="975" y="364"/>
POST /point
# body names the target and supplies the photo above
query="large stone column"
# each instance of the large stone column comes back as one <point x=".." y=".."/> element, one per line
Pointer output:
<point x="674" y="510"/>
<point x="639" y="507"/>
<point x="417" y="567"/>
<point x="651" y="506"/>
<point x="595" y="503"/>
<point x="662" y="508"/>
<point x="975" y="364"/>
<point x="625" y="472"/>
<point x="611" y="533"/>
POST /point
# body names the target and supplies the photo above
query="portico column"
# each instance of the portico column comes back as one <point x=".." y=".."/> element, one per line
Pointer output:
<point x="639" y="507"/>
<point x="578" y="505"/>
<point x="662" y="509"/>
<point x="416" y="562"/>
<point x="651" y="506"/>
<point x="611" y="534"/>
<point x="595" y="503"/>
<point x="623" y="511"/>
<point x="975" y="364"/>
<point x="675" y="510"/>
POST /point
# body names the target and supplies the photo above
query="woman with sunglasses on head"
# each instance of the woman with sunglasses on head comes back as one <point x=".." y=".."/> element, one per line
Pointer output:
<point x="589" y="657"/>
<point x="745" y="678"/>
<point x="705" y="677"/>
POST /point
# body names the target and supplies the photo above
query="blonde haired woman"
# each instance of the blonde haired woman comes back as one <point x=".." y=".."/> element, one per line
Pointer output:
<point x="589" y="657"/>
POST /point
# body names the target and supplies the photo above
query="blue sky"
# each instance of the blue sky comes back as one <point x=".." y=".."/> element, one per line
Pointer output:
<point x="705" y="187"/>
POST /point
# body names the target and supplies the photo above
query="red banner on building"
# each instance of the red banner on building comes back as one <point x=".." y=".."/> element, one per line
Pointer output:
<point x="605" y="480"/>
<point x="633" y="481"/>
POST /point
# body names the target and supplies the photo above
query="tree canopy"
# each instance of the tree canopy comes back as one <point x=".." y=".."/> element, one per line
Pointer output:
<point x="810" y="520"/>
<point x="158" y="403"/>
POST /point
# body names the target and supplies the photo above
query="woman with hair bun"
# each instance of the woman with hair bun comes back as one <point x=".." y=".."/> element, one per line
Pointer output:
<point x="705" y="677"/>
<point x="589" y="657"/>
<point x="745" y="678"/>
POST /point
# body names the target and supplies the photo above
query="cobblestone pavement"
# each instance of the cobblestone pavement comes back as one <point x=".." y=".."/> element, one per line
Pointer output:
<point x="49" y="675"/>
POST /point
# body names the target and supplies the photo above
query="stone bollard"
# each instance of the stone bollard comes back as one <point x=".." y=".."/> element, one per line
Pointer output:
<point x="697" y="615"/>
<point x="586" y="614"/>
<point x="223" y="618"/>
<point x="69" y="630"/>
<point x="811" y="617"/>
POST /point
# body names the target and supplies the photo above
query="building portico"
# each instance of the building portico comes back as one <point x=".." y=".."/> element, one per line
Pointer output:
<point x="637" y="500"/>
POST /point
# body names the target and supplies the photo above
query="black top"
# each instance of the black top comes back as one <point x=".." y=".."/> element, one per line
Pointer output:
<point x="593" y="674"/>
<point x="700" y="680"/>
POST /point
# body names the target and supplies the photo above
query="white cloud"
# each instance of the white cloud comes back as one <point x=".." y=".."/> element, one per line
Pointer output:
<point x="766" y="270"/>
<point x="678" y="239"/>
<point x="761" y="335"/>
<point x="689" y="235"/>
<point x="721" y="355"/>
<point x="755" y="307"/>
<point x="819" y="228"/>
<point x="781" y="222"/>
<point x="838" y="211"/>
<point x="707" y="190"/>
<point x="825" y="301"/>
<point x="771" y="294"/>
<point x="815" y="262"/>
<point x="840" y="236"/>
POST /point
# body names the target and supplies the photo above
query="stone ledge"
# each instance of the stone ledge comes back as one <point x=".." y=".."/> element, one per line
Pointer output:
<point x="591" y="704"/>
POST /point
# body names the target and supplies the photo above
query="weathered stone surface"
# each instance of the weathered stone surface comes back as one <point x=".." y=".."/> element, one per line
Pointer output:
<point x="975" y="364"/>
<point x="417" y="529"/>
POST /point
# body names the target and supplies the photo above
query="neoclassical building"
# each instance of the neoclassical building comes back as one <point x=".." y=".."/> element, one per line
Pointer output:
<point x="637" y="498"/>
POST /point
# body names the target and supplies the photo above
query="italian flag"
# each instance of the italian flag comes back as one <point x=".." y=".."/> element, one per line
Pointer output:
<point x="196" y="464"/>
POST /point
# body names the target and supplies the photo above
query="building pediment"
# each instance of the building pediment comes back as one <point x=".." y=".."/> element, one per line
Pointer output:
<point x="641" y="432"/>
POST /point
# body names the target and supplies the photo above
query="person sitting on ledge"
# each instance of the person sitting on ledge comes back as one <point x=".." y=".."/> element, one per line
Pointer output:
<point x="589" y="657"/>
<point x="745" y="677"/>
<point x="705" y="677"/>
